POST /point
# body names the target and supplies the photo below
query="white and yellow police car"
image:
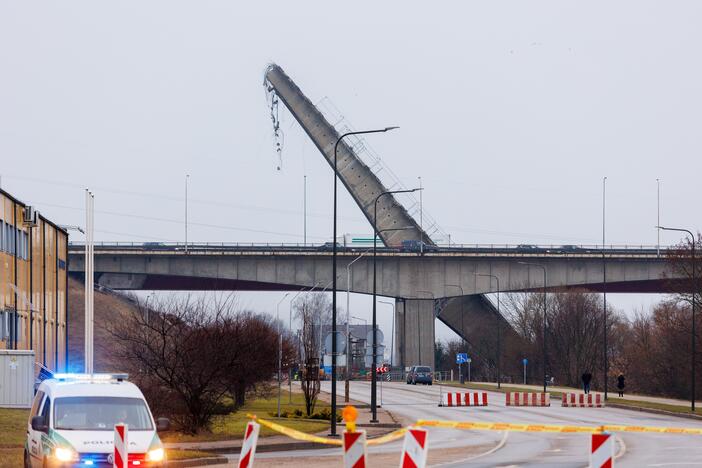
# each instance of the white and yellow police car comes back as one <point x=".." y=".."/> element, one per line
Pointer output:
<point x="73" y="417"/>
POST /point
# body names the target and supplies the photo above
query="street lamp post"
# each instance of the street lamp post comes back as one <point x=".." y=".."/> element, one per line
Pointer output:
<point x="463" y="331"/>
<point x="604" y="288"/>
<point x="538" y="265"/>
<point x="694" y="306"/>
<point x="280" y="346"/>
<point x="334" y="249"/>
<point x="347" y="384"/>
<point x="376" y="232"/>
<point x="392" y="337"/>
<point x="499" y="327"/>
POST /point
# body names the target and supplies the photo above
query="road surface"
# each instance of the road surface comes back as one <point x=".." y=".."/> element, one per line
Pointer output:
<point x="457" y="448"/>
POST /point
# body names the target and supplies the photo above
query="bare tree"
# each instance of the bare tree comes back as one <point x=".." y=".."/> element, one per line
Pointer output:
<point x="311" y="311"/>
<point x="188" y="354"/>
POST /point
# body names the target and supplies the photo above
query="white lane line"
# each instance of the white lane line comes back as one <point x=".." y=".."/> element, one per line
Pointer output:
<point x="678" y="463"/>
<point x="497" y="447"/>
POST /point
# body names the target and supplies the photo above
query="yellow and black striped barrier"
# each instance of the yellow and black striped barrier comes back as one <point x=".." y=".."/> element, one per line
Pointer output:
<point x="298" y="435"/>
<point x="499" y="426"/>
<point x="483" y="426"/>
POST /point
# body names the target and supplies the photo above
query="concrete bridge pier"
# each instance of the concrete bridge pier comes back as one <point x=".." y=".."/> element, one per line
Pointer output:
<point x="414" y="332"/>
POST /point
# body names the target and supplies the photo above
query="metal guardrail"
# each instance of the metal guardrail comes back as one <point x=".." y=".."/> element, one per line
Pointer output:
<point x="443" y="247"/>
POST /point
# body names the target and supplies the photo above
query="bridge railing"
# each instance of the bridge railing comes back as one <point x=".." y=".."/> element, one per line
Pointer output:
<point x="511" y="248"/>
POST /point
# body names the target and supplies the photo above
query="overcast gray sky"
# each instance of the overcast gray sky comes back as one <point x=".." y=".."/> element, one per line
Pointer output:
<point x="512" y="112"/>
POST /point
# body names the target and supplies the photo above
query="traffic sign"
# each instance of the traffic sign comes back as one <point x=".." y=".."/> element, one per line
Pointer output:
<point x="469" y="360"/>
<point x="461" y="358"/>
<point x="379" y="350"/>
<point x="340" y="343"/>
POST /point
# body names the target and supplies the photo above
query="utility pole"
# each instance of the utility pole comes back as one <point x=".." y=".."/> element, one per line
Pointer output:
<point x="304" y="210"/>
<point x="187" y="176"/>
<point x="604" y="286"/>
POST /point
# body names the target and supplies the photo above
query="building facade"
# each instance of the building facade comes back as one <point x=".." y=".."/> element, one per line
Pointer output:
<point x="33" y="283"/>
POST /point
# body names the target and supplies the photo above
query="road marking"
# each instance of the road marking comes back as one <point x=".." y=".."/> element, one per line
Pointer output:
<point x="497" y="447"/>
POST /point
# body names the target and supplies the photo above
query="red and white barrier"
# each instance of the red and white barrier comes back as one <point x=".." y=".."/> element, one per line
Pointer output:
<point x="355" y="449"/>
<point x="602" y="451"/>
<point x="121" y="453"/>
<point x="580" y="400"/>
<point x="464" y="399"/>
<point x="527" y="399"/>
<point x="248" y="448"/>
<point x="414" y="449"/>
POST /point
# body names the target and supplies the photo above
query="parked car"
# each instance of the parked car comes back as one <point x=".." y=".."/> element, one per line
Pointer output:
<point x="72" y="422"/>
<point x="420" y="374"/>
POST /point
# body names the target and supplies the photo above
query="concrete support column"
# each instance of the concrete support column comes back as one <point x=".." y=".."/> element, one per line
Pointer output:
<point x="414" y="332"/>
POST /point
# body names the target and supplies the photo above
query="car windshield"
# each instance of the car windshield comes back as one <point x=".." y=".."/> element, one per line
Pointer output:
<point x="423" y="369"/>
<point x="101" y="413"/>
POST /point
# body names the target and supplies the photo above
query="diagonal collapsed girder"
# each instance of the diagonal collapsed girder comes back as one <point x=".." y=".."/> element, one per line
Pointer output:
<point x="363" y="185"/>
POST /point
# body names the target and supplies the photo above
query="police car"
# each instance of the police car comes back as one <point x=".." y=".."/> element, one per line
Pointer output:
<point x="73" y="417"/>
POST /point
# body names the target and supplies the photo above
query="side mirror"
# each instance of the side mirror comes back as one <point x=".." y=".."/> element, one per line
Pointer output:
<point x="163" y="424"/>
<point x="38" y="424"/>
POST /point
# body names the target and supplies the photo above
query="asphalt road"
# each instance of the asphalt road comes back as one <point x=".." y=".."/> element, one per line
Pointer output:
<point x="489" y="449"/>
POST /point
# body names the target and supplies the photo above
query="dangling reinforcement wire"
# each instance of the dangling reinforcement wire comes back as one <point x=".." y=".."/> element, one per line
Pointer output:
<point x="278" y="134"/>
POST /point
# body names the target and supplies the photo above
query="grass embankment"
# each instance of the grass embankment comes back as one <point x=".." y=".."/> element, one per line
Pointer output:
<point x="232" y="425"/>
<point x="681" y="409"/>
<point x="13" y="432"/>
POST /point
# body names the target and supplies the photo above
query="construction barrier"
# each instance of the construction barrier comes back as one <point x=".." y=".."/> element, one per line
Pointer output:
<point x="355" y="455"/>
<point x="602" y="451"/>
<point x="298" y="435"/>
<point x="248" y="448"/>
<point x="498" y="426"/>
<point x="580" y="400"/>
<point x="464" y="399"/>
<point x="121" y="447"/>
<point x="415" y="448"/>
<point x="527" y="399"/>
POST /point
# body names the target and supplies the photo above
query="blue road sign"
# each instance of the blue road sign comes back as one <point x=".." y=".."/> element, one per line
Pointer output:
<point x="525" y="361"/>
<point x="461" y="358"/>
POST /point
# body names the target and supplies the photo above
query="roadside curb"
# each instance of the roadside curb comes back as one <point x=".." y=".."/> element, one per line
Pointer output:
<point x="655" y="411"/>
<point x="198" y="462"/>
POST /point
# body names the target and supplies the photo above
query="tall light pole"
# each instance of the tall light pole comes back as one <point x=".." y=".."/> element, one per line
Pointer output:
<point x="538" y="265"/>
<point x="187" y="177"/>
<point x="499" y="326"/>
<point x="304" y="210"/>
<point x="334" y="249"/>
<point x="392" y="337"/>
<point x="347" y="384"/>
<point x="376" y="232"/>
<point x="694" y="306"/>
<point x="463" y="331"/>
<point x="280" y="346"/>
<point x="604" y="286"/>
<point x="658" y="217"/>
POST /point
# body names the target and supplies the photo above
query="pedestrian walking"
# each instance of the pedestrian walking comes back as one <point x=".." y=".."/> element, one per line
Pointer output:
<point x="586" y="378"/>
<point x="621" y="384"/>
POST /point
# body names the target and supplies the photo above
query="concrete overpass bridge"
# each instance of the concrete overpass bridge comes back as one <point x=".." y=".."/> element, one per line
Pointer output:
<point x="441" y="283"/>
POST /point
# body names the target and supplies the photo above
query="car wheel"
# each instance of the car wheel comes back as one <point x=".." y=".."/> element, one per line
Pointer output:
<point x="429" y="383"/>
